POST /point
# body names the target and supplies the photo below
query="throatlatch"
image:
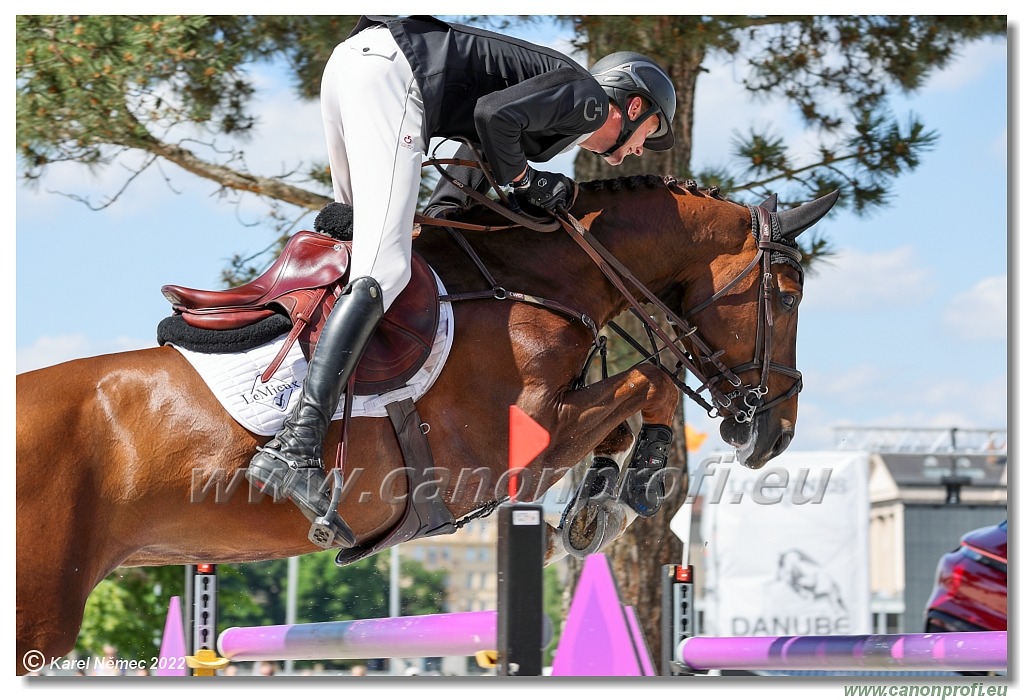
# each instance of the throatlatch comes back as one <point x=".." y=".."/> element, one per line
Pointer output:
<point x="644" y="490"/>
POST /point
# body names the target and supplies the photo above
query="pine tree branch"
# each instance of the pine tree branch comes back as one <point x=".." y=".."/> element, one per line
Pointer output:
<point x="236" y="180"/>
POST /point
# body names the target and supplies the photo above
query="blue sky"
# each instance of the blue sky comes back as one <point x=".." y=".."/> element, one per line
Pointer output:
<point x="906" y="328"/>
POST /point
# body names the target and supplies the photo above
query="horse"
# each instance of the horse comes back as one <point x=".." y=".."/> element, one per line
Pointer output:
<point x="109" y="448"/>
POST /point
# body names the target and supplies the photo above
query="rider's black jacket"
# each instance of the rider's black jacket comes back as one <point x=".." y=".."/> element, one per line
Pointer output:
<point x="515" y="100"/>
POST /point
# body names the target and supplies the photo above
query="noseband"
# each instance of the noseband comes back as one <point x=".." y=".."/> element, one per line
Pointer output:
<point x="745" y="400"/>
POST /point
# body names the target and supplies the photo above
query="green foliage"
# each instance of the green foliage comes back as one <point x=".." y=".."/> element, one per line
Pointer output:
<point x="554" y="608"/>
<point x="90" y="89"/>
<point x="87" y="87"/>
<point x="128" y="610"/>
<point x="855" y="58"/>
<point x="305" y="42"/>
<point x="659" y="36"/>
<point x="256" y="593"/>
<point x="838" y="73"/>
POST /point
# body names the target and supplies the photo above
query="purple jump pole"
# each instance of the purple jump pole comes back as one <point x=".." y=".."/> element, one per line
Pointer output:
<point x="447" y="634"/>
<point x="960" y="651"/>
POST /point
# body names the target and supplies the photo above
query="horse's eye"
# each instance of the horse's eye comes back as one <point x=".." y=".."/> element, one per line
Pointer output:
<point x="788" y="300"/>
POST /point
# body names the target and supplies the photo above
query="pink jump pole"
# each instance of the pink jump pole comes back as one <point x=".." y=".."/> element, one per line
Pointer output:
<point x="445" y="634"/>
<point x="950" y="651"/>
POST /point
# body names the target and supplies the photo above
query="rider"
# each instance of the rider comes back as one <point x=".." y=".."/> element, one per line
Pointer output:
<point x="390" y="87"/>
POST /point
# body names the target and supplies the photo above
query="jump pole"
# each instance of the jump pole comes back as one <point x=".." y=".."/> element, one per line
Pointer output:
<point x="949" y="651"/>
<point x="443" y="634"/>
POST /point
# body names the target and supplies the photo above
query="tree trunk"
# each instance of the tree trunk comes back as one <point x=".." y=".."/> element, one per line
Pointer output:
<point x="647" y="545"/>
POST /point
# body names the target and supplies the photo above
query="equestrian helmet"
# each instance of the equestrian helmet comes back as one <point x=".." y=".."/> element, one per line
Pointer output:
<point x="626" y="73"/>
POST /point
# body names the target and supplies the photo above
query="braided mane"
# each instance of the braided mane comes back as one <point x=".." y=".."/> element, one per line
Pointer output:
<point x="634" y="182"/>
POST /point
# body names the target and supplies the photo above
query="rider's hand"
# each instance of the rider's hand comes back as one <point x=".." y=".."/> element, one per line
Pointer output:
<point x="546" y="190"/>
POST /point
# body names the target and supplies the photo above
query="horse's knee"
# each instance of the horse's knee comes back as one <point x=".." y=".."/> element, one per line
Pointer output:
<point x="662" y="396"/>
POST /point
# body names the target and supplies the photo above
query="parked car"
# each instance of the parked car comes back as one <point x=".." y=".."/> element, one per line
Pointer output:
<point x="970" y="587"/>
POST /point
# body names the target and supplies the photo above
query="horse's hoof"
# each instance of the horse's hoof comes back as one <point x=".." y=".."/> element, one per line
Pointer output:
<point x="592" y="527"/>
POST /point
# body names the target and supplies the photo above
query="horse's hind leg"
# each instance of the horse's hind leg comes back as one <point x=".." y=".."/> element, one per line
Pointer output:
<point x="56" y="530"/>
<point x="61" y="528"/>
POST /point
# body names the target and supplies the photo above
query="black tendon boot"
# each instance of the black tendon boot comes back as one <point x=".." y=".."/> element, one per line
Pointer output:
<point x="644" y="490"/>
<point x="290" y="464"/>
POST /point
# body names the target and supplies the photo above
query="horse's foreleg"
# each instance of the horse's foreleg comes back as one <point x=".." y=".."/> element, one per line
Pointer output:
<point x="594" y="419"/>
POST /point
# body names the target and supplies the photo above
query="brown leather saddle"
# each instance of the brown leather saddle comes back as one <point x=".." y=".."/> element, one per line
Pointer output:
<point x="304" y="283"/>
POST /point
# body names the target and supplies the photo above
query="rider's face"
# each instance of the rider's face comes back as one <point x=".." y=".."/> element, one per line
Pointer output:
<point x="635" y="144"/>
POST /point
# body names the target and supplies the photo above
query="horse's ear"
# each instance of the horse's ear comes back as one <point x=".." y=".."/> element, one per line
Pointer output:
<point x="795" y="221"/>
<point x="772" y="203"/>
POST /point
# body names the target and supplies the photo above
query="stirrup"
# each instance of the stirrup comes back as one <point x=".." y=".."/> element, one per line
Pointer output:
<point x="330" y="527"/>
<point x="295" y="481"/>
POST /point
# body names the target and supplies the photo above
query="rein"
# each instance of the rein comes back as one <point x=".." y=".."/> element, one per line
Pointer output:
<point x="770" y="247"/>
<point x="508" y="207"/>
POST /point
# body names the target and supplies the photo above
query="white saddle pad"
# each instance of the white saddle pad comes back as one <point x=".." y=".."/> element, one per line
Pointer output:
<point x="234" y="378"/>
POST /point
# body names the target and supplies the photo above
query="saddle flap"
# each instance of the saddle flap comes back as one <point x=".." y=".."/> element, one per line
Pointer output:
<point x="403" y="339"/>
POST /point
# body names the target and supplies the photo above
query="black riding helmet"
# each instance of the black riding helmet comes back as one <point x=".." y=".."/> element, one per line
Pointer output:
<point x="627" y="73"/>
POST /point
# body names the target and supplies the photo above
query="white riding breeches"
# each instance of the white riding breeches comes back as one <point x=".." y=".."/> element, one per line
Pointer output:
<point x="372" y="111"/>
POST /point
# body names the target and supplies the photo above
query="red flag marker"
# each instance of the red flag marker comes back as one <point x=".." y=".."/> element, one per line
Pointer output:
<point x="526" y="440"/>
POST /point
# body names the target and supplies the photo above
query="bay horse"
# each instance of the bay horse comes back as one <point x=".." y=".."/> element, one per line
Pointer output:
<point x="109" y="448"/>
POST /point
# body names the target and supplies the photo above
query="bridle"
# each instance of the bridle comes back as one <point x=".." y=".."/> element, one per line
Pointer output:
<point x="740" y="401"/>
<point x="772" y="247"/>
<point x="744" y="400"/>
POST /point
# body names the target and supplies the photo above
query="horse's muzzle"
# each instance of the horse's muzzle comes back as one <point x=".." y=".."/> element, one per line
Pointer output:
<point x="757" y="441"/>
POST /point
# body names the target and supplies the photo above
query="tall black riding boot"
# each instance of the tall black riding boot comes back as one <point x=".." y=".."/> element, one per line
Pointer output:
<point x="290" y="464"/>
